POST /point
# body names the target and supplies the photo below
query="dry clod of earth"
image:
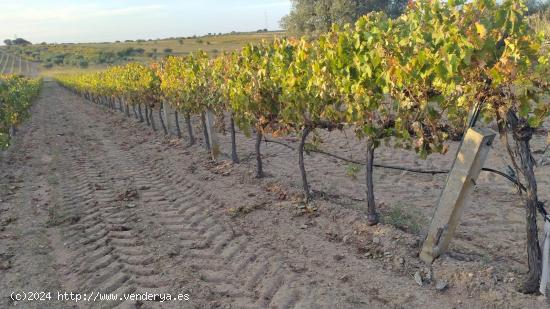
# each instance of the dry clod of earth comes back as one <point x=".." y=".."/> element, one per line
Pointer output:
<point x="441" y="285"/>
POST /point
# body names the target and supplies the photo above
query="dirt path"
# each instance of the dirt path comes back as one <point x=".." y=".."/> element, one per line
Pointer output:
<point x="91" y="202"/>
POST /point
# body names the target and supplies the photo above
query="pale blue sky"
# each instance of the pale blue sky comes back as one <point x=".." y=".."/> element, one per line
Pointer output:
<point x="103" y="20"/>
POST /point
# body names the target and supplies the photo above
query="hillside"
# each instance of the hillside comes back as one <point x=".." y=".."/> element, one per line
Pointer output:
<point x="68" y="57"/>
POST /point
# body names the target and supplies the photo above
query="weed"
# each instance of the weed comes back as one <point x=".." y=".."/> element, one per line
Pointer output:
<point x="404" y="218"/>
<point x="485" y="259"/>
<point x="352" y="170"/>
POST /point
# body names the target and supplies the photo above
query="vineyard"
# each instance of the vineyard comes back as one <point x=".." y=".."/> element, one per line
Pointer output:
<point x="326" y="159"/>
<point x="410" y="82"/>
<point x="11" y="64"/>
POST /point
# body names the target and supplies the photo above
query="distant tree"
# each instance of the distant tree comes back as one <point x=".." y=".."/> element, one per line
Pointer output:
<point x="58" y="59"/>
<point x="106" y="57"/>
<point x="126" y="52"/>
<point x="130" y="51"/>
<point x="312" y="17"/>
<point x="83" y="64"/>
<point x="18" y="41"/>
<point x="180" y="41"/>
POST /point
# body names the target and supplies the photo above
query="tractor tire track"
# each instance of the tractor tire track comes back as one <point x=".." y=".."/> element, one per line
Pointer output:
<point x="187" y="212"/>
<point x="106" y="258"/>
<point x="102" y="239"/>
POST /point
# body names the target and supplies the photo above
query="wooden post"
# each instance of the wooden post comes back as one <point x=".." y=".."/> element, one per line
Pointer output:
<point x="212" y="136"/>
<point x="460" y="182"/>
<point x="169" y="118"/>
<point x="545" y="260"/>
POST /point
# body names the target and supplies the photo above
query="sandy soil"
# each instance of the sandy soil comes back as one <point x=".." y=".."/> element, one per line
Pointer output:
<point x="94" y="202"/>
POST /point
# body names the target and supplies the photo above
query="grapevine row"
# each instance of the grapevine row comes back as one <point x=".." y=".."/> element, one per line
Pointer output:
<point x="407" y="81"/>
<point x="16" y="96"/>
<point x="12" y="65"/>
<point x="5" y="61"/>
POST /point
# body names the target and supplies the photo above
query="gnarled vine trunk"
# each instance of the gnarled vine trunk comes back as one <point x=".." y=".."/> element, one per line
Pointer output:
<point x="147" y="114"/>
<point x="162" y="121"/>
<point x="372" y="215"/>
<point x="205" y="132"/>
<point x="140" y="113"/>
<point x="234" y="155"/>
<point x="305" y="185"/>
<point x="259" y="167"/>
<point x="522" y="134"/>
<point x="127" y="108"/>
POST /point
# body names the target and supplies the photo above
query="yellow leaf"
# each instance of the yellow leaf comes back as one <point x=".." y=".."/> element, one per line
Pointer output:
<point x="481" y="30"/>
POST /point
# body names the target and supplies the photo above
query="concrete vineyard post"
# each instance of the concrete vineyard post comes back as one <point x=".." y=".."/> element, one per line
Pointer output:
<point x="454" y="197"/>
<point x="212" y="136"/>
<point x="169" y="118"/>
